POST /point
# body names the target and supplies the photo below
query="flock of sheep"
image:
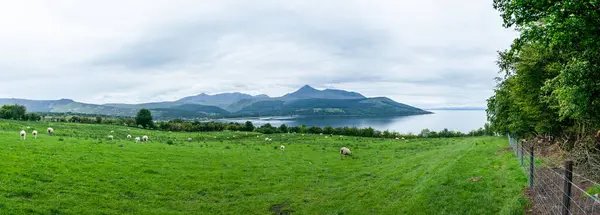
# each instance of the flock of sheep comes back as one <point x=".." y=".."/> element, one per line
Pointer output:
<point x="343" y="151"/>
<point x="137" y="139"/>
<point x="23" y="134"/>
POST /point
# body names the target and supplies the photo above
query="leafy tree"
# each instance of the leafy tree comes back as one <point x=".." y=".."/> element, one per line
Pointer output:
<point x="248" y="126"/>
<point x="15" y="112"/>
<point x="328" y="130"/>
<point x="144" y="118"/>
<point x="33" y="117"/>
<point x="424" y="133"/>
<point x="283" y="128"/>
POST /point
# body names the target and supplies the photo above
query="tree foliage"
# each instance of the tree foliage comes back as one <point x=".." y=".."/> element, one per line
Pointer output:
<point x="550" y="82"/>
<point x="15" y="112"/>
<point x="144" y="118"/>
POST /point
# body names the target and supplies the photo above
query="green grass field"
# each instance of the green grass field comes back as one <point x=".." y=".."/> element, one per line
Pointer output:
<point x="79" y="171"/>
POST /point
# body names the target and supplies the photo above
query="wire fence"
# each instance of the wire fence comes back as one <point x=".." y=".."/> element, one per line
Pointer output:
<point x="555" y="189"/>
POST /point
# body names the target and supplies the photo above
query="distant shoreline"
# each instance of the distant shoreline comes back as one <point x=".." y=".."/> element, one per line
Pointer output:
<point x="454" y="109"/>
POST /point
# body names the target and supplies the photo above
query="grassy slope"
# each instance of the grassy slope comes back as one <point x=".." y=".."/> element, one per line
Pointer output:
<point x="86" y="175"/>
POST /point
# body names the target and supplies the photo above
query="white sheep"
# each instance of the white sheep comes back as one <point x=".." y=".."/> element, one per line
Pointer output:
<point x="190" y="139"/>
<point x="266" y="139"/>
<point x="28" y="127"/>
<point x="128" y="136"/>
<point x="397" y="138"/>
<point x="34" y="134"/>
<point x="345" y="152"/>
<point x="112" y="131"/>
<point x="145" y="138"/>
<point x="326" y="137"/>
<point x="23" y="134"/>
<point x="50" y="131"/>
<point x="282" y="147"/>
<point x="137" y="139"/>
<point x="110" y="137"/>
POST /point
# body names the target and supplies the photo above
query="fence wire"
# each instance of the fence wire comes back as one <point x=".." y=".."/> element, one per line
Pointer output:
<point x="550" y="185"/>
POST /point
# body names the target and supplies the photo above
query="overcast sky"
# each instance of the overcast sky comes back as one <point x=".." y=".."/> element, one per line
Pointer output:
<point x="426" y="53"/>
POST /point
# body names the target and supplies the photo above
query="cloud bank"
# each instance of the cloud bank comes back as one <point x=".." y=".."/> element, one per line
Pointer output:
<point x="427" y="53"/>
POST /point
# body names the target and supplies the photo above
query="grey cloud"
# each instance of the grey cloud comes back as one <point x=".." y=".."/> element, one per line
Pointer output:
<point x="262" y="47"/>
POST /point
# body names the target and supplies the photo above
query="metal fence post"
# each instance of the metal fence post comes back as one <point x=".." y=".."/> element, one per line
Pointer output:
<point x="567" y="187"/>
<point x="522" y="151"/>
<point x="531" y="166"/>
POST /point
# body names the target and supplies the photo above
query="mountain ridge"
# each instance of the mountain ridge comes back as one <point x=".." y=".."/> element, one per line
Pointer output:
<point x="304" y="101"/>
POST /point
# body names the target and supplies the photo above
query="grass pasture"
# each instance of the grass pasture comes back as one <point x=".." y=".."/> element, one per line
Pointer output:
<point x="79" y="171"/>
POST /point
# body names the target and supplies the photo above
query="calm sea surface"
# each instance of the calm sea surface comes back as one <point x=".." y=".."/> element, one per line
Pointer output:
<point x="455" y="120"/>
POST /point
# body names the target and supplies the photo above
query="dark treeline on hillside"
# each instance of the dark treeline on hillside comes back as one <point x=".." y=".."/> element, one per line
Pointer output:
<point x="549" y="89"/>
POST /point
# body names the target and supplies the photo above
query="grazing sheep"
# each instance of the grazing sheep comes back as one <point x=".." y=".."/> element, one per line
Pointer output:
<point x="397" y="138"/>
<point x="345" y="152"/>
<point x="34" y="134"/>
<point x="190" y="139"/>
<point x="23" y="134"/>
<point x="137" y="139"/>
<point x="282" y="147"/>
<point x="110" y="137"/>
<point x="112" y="131"/>
<point x="266" y="139"/>
<point x="326" y="137"/>
<point x="28" y="127"/>
<point x="128" y="136"/>
<point x="145" y="138"/>
<point x="403" y="138"/>
<point x="50" y="131"/>
<point x="320" y="133"/>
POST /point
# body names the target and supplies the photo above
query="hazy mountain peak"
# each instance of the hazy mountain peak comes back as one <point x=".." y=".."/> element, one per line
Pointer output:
<point x="307" y="88"/>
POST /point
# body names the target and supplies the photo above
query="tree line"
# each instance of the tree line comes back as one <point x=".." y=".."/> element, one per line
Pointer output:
<point x="18" y="112"/>
<point x="549" y="87"/>
<point x="370" y="132"/>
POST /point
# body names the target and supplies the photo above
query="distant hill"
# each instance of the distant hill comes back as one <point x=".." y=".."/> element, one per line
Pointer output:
<point x="145" y="105"/>
<point x="37" y="105"/>
<point x="188" y="111"/>
<point x="222" y="100"/>
<point x="345" y="107"/>
<point x="304" y="101"/>
<point x="307" y="92"/>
